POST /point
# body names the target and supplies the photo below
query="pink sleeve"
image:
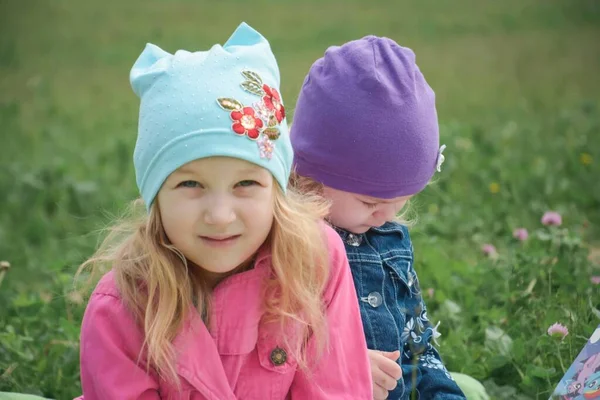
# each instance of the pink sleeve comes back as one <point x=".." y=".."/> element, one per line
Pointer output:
<point x="343" y="370"/>
<point x="110" y="345"/>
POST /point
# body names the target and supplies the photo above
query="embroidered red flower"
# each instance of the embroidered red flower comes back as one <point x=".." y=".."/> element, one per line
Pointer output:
<point x="272" y="100"/>
<point x="246" y="122"/>
<point x="260" y="121"/>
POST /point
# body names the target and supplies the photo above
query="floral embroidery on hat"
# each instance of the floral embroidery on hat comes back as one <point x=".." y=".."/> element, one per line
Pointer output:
<point x="440" y="158"/>
<point x="266" y="147"/>
<point x="273" y="102"/>
<point x="246" y="122"/>
<point x="260" y="121"/>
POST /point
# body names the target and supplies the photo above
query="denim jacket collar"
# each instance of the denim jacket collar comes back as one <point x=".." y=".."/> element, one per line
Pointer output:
<point x="388" y="227"/>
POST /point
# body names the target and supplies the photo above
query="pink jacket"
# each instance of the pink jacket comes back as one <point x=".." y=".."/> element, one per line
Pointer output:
<point x="234" y="359"/>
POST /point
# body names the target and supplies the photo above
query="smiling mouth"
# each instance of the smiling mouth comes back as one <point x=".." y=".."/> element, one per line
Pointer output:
<point x="219" y="240"/>
<point x="219" y="237"/>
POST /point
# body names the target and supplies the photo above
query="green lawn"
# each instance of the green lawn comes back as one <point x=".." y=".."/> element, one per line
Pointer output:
<point x="518" y="99"/>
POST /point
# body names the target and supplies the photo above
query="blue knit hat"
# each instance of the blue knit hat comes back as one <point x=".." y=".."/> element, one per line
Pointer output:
<point x="220" y="102"/>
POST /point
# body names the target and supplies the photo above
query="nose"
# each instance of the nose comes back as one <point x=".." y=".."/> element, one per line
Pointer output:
<point x="384" y="213"/>
<point x="219" y="211"/>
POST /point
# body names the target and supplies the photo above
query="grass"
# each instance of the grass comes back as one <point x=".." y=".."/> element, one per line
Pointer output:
<point x="518" y="100"/>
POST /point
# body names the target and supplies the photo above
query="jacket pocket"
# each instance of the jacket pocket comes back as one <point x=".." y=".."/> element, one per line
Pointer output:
<point x="268" y="372"/>
<point x="275" y="356"/>
<point x="402" y="273"/>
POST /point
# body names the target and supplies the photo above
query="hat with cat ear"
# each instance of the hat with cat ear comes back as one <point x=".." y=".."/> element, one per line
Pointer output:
<point x="224" y="101"/>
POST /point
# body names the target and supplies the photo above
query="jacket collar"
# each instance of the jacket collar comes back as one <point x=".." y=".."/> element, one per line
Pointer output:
<point x="352" y="238"/>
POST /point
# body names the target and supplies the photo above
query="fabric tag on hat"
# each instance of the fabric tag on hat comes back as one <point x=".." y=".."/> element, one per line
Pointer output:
<point x="440" y="158"/>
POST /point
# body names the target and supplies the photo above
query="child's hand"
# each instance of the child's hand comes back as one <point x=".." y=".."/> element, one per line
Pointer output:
<point x="385" y="372"/>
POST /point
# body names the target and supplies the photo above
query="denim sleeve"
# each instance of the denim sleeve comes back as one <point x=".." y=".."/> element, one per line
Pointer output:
<point x="422" y="365"/>
<point x="436" y="383"/>
<point x="421" y="362"/>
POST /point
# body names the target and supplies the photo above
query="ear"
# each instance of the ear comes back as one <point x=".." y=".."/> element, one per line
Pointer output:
<point x="245" y="35"/>
<point x="150" y="64"/>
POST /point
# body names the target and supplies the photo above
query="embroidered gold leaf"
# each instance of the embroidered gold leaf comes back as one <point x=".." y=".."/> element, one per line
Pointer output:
<point x="253" y="77"/>
<point x="272" y="133"/>
<point x="229" y="104"/>
<point x="272" y="121"/>
<point x="253" y="88"/>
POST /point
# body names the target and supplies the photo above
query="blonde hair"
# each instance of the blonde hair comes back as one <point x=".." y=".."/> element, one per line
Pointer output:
<point x="314" y="188"/>
<point x="159" y="288"/>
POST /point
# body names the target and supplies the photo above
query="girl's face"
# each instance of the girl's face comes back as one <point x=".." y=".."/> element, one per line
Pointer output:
<point x="217" y="211"/>
<point x="357" y="213"/>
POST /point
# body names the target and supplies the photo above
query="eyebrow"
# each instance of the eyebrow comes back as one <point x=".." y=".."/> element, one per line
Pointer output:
<point x="185" y="170"/>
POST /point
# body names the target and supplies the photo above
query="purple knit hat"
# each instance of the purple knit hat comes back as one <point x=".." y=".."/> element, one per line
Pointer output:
<point x="365" y="121"/>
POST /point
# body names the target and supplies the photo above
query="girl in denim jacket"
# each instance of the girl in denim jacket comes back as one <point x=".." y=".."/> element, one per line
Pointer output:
<point x="229" y="286"/>
<point x="365" y="136"/>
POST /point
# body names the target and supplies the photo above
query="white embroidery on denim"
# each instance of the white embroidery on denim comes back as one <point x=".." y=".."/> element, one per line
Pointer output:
<point x="428" y="360"/>
<point x="436" y="334"/>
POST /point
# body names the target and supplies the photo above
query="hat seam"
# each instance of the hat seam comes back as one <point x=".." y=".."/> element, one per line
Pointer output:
<point x="320" y="168"/>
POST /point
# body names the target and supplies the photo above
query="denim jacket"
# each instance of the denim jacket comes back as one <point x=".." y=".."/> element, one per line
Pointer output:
<point x="393" y="312"/>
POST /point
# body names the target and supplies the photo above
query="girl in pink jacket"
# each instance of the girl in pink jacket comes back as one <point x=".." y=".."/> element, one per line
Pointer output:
<point x="227" y="286"/>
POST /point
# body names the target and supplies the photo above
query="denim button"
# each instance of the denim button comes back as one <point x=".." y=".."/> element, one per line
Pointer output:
<point x="354" y="240"/>
<point x="374" y="299"/>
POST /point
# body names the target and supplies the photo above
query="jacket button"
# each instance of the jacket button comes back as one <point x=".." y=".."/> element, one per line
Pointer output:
<point x="354" y="240"/>
<point x="374" y="299"/>
<point x="278" y="356"/>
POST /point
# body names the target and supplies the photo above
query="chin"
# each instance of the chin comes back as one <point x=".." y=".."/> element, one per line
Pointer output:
<point x="217" y="268"/>
<point x="223" y="268"/>
<point x="358" y="231"/>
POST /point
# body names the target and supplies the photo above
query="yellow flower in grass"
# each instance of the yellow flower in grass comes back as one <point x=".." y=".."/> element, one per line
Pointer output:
<point x="585" y="158"/>
<point x="494" y="187"/>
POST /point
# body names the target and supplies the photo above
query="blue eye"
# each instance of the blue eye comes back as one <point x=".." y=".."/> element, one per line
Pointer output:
<point x="247" y="183"/>
<point x="189" y="184"/>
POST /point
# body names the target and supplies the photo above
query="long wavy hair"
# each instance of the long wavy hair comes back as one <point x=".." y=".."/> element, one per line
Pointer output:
<point x="160" y="287"/>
